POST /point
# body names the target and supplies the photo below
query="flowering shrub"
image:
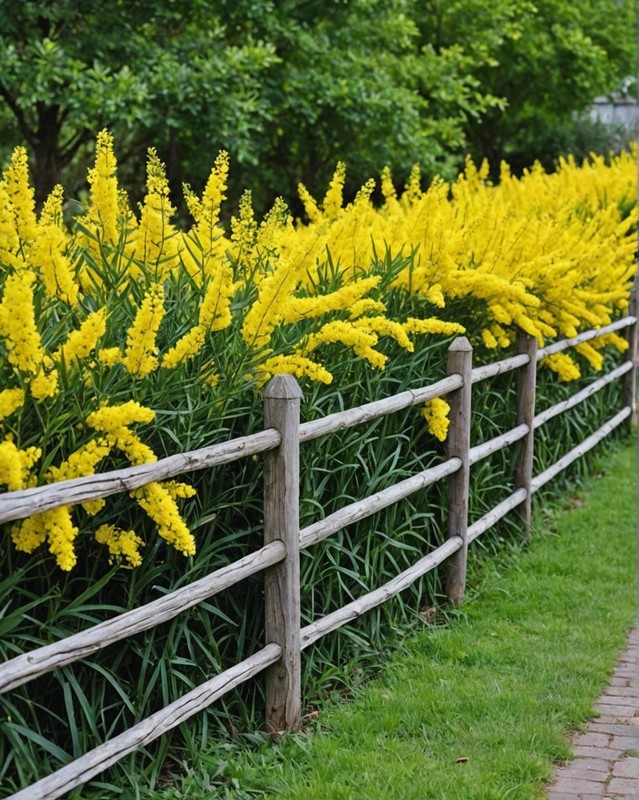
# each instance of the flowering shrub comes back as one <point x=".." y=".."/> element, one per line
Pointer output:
<point x="104" y="320"/>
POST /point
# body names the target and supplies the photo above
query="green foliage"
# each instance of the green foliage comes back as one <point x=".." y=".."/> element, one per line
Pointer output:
<point x="290" y="88"/>
<point x="480" y="708"/>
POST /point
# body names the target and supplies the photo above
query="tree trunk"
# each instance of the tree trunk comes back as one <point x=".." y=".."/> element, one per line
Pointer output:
<point x="49" y="158"/>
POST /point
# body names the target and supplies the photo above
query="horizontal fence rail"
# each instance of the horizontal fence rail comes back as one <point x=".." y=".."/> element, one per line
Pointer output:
<point x="17" y="505"/>
<point x="586" y="336"/>
<point x="24" y="668"/>
<point x="278" y="559"/>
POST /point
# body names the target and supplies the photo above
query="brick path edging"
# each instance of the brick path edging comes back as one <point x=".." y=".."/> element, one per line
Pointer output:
<point x="606" y="763"/>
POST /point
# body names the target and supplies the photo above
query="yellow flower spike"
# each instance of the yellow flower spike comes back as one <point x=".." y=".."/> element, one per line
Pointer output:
<point x="44" y="385"/>
<point x="48" y="254"/>
<point x="108" y="213"/>
<point x="346" y="333"/>
<point x="28" y="535"/>
<point x="110" y="356"/>
<point x="124" y="546"/>
<point x="435" y="412"/>
<point x="244" y="234"/>
<point x="276" y="289"/>
<point x="563" y="365"/>
<point x="81" y="462"/>
<point x="304" y="308"/>
<point x="214" y="315"/>
<point x="131" y="445"/>
<point x="109" y="419"/>
<point x="296" y="365"/>
<point x="83" y="341"/>
<point x="334" y="198"/>
<point x="18" y="324"/>
<point x="386" y="327"/>
<point x="21" y="196"/>
<point x="310" y="206"/>
<point x="10" y="255"/>
<point x="54" y="526"/>
<point x="15" y="465"/>
<point x="140" y="356"/>
<point x="214" y="195"/>
<point x="178" y="489"/>
<point x="162" y="509"/>
<point x="10" y="401"/>
<point x="433" y="326"/>
<point x="594" y="358"/>
<point x="413" y="190"/>
<point x="155" y="239"/>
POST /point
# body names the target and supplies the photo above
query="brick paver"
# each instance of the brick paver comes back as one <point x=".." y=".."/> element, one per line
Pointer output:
<point x="606" y="763"/>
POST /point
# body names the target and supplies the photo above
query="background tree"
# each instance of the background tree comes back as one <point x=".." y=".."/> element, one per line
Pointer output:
<point x="290" y="87"/>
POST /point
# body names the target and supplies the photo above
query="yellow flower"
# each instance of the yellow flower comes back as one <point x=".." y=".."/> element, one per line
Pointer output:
<point x="81" y="462"/>
<point x="140" y="356"/>
<point x="103" y="212"/>
<point x="293" y="365"/>
<point x="563" y="365"/>
<point x="21" y="196"/>
<point x="10" y="400"/>
<point x="81" y="342"/>
<point x="10" y="255"/>
<point x="131" y="445"/>
<point x="44" y="385"/>
<point x="123" y="545"/>
<point x="162" y="509"/>
<point x="18" y="324"/>
<point x="155" y="243"/>
<point x="346" y="333"/>
<point x="54" y="526"/>
<point x="110" y="356"/>
<point x="435" y="412"/>
<point x="109" y="419"/>
<point x="15" y="465"/>
<point x="333" y="200"/>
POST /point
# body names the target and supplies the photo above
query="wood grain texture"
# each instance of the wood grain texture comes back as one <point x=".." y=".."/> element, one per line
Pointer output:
<point x="26" y="667"/>
<point x="498" y="368"/>
<point x="495" y="514"/>
<point x="379" y="408"/>
<point x="97" y="760"/>
<point x="282" y="398"/>
<point x="582" y="395"/>
<point x="370" y="505"/>
<point x="581" y="449"/>
<point x="526" y="390"/>
<point x="481" y="451"/>
<point x="630" y="379"/>
<point x="586" y="336"/>
<point x="311" y="633"/>
<point x="17" y="505"/>
<point x="460" y="356"/>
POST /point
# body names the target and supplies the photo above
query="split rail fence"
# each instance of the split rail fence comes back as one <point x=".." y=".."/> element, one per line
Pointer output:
<point x="279" y="556"/>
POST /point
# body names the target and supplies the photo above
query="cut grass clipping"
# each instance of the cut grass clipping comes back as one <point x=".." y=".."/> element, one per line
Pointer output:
<point x="477" y="710"/>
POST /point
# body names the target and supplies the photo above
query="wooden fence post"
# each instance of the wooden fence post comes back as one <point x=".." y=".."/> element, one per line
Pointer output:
<point x="526" y="387"/>
<point x="460" y="356"/>
<point x="630" y="378"/>
<point x="282" y="398"/>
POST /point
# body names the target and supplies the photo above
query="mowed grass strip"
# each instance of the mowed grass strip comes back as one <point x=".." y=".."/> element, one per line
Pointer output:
<point x="479" y="709"/>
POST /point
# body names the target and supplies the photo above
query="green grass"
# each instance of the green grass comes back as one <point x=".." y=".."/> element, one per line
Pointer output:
<point x="477" y="709"/>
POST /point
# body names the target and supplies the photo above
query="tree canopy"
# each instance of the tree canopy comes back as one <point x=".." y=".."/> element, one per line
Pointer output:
<point x="291" y="87"/>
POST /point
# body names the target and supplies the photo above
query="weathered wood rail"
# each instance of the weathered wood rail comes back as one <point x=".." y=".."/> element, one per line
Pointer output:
<point x="279" y="557"/>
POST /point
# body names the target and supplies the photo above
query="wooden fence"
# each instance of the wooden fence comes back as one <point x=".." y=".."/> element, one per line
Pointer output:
<point x="279" y="556"/>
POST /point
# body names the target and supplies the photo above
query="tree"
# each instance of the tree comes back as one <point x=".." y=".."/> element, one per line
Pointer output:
<point x="291" y="87"/>
<point x="547" y="59"/>
<point x="68" y="69"/>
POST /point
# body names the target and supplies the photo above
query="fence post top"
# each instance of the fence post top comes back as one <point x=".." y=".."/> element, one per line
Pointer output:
<point x="282" y="387"/>
<point x="460" y="345"/>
